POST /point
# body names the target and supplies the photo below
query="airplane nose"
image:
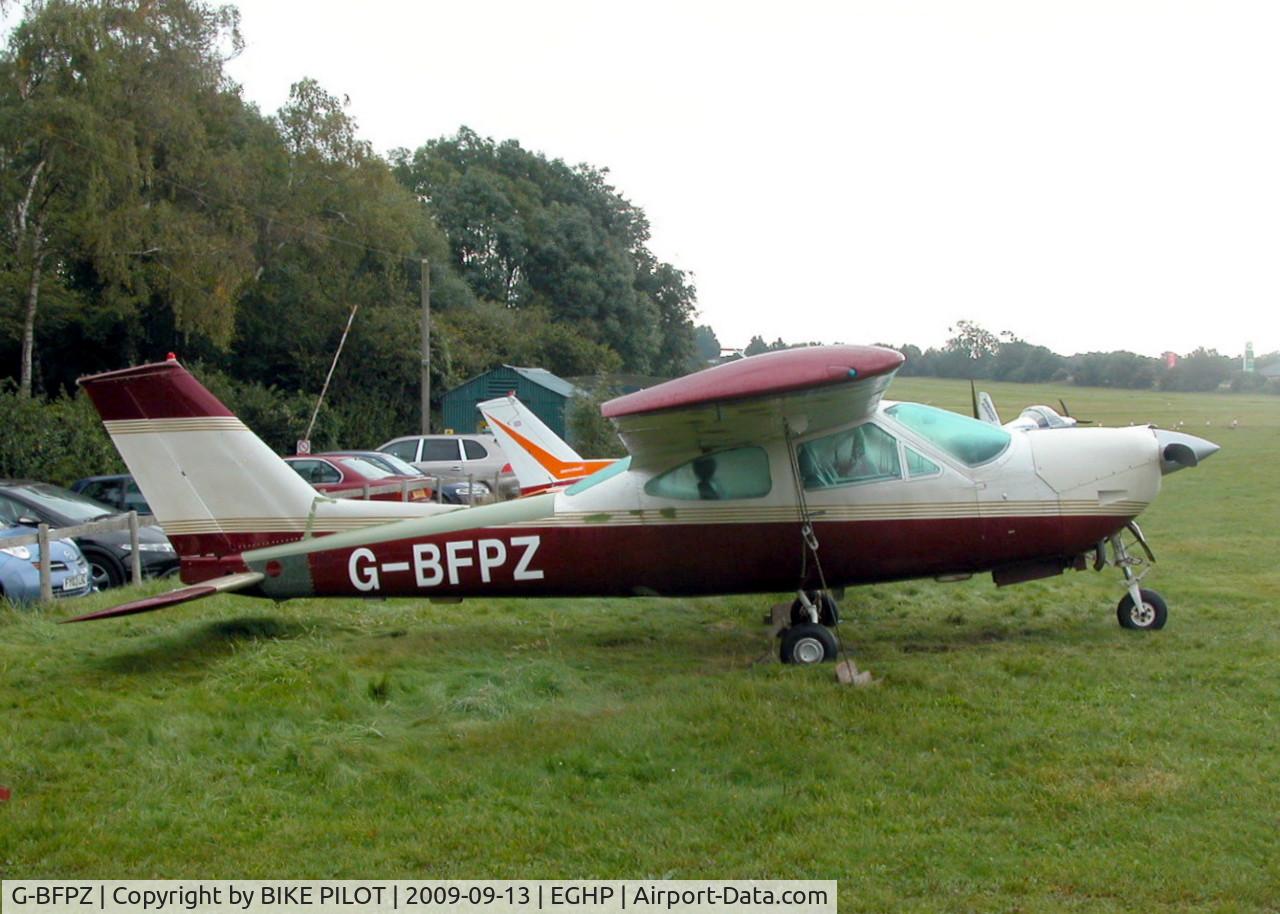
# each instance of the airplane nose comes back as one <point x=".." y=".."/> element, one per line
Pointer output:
<point x="1179" y="450"/>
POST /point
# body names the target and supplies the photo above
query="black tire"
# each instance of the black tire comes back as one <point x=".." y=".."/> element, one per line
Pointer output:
<point x="807" y="643"/>
<point x="104" y="570"/>
<point x="1150" y="617"/>
<point x="828" y="611"/>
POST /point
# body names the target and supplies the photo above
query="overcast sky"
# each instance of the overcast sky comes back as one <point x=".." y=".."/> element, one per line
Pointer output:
<point x="1088" y="175"/>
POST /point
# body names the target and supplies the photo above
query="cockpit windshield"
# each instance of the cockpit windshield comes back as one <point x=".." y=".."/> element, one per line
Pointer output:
<point x="968" y="440"/>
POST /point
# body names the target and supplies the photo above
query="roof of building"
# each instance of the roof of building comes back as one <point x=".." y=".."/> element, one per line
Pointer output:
<point x="544" y="378"/>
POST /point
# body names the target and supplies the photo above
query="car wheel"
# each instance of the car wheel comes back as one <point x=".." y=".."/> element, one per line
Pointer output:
<point x="104" y="570"/>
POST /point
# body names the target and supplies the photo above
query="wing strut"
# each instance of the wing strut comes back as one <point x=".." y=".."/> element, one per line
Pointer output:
<point x="807" y="534"/>
<point x="804" y="641"/>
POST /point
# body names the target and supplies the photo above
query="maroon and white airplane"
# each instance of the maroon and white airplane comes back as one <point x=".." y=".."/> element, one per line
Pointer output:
<point x="736" y="476"/>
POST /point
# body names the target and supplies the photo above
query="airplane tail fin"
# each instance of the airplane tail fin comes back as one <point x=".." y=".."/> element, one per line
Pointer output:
<point x="987" y="409"/>
<point x="539" y="457"/>
<point x="215" y="486"/>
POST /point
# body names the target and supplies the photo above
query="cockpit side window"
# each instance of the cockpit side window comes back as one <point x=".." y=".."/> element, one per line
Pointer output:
<point x="919" y="465"/>
<point x="971" y="442"/>
<point x="739" y="473"/>
<point x="864" y="454"/>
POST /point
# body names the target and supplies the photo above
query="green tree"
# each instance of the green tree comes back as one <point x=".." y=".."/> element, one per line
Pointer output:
<point x="706" y="346"/>
<point x="1114" y="369"/>
<point x="528" y="232"/>
<point x="1202" y="370"/>
<point x="115" y="187"/>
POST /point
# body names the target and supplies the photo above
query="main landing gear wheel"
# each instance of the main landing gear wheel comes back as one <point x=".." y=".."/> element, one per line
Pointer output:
<point x="1150" y="615"/>
<point x="806" y="643"/>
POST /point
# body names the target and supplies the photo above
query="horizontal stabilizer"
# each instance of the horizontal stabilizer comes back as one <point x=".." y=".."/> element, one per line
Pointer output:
<point x="225" y="584"/>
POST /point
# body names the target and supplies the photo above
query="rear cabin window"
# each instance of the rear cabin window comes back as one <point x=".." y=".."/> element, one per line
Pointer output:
<point x="971" y="442"/>
<point x="439" y="449"/>
<point x="864" y="454"/>
<point x="474" y="449"/>
<point x="316" y="471"/>
<point x="105" y="491"/>
<point x="405" y="450"/>
<point x="739" y="473"/>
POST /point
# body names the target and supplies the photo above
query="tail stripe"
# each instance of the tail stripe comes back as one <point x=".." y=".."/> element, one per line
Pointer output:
<point x="166" y="426"/>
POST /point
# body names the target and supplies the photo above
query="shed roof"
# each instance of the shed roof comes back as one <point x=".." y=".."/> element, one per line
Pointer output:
<point x="544" y="378"/>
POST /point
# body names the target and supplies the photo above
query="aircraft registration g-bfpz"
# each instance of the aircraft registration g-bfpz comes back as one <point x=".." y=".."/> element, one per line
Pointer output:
<point x="782" y="472"/>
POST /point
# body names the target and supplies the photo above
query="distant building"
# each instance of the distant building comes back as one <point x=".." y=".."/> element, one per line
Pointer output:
<point x="1248" y="357"/>
<point x="544" y="393"/>
<point x="1170" y="359"/>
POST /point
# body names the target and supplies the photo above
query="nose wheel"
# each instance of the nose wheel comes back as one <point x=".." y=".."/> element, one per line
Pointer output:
<point x="1148" y="613"/>
<point x="1141" y="609"/>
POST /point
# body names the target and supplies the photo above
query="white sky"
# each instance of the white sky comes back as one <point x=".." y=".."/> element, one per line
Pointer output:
<point x="1089" y="174"/>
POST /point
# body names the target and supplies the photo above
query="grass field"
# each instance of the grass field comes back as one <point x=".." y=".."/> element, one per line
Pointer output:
<point x="1021" y="752"/>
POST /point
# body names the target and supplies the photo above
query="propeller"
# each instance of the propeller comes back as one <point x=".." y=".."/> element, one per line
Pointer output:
<point x="1066" y="412"/>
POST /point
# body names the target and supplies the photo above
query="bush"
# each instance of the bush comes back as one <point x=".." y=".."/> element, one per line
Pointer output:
<point x="56" y="441"/>
<point x="276" y="416"/>
<point x="591" y="434"/>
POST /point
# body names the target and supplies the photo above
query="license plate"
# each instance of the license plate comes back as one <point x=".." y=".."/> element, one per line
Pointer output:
<point x="75" y="581"/>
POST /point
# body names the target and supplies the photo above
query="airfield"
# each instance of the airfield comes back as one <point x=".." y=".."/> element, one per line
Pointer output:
<point x="1020" y="750"/>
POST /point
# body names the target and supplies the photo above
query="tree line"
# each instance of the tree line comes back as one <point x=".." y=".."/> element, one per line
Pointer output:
<point x="974" y="352"/>
<point x="147" y="207"/>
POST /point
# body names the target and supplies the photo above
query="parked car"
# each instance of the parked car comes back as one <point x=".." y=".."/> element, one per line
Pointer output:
<point x="451" y="493"/>
<point x="332" y="472"/>
<point x="119" y="491"/>
<point x="457" y="457"/>
<point x="107" y="552"/>
<point x="20" y="568"/>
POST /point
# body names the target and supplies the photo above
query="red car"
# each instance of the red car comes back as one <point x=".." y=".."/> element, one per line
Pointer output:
<point x="335" y="473"/>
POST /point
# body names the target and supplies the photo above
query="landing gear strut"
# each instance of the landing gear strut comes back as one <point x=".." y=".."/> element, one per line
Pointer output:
<point x="1141" y="609"/>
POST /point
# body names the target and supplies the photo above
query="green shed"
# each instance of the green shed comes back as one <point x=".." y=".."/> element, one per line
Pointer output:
<point x="544" y="393"/>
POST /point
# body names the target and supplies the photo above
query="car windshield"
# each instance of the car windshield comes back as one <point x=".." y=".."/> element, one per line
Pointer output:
<point x="366" y="468"/>
<point x="394" y="464"/>
<point x="76" y="508"/>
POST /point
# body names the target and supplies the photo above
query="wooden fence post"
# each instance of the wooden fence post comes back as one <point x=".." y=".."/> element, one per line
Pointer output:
<point x="46" y="564"/>
<point x="135" y="559"/>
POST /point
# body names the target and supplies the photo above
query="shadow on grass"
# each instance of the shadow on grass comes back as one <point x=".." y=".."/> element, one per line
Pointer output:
<point x="209" y="643"/>
<point x="948" y="641"/>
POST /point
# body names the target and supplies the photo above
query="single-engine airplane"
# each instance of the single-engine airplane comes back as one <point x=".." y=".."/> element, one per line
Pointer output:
<point x="540" y="458"/>
<point x="736" y="476"/>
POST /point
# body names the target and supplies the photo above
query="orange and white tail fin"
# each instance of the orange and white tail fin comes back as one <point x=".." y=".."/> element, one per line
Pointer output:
<point x="539" y="457"/>
<point x="215" y="486"/>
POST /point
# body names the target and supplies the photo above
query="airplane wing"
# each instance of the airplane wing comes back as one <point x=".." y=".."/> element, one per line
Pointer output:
<point x="226" y="584"/>
<point x="745" y="402"/>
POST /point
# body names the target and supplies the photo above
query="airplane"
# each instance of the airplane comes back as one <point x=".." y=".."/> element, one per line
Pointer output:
<point x="1031" y="417"/>
<point x="540" y="458"/>
<point x="786" y="471"/>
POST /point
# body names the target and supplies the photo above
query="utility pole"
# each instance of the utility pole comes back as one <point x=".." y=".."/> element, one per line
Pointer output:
<point x="426" y="348"/>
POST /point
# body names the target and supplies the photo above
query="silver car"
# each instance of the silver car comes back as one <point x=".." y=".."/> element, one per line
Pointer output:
<point x="457" y="457"/>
